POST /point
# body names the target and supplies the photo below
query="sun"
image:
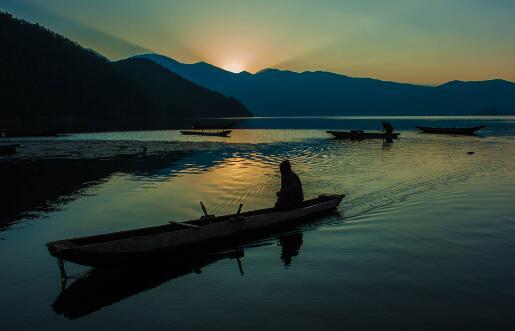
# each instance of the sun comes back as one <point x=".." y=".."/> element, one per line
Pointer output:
<point x="234" y="67"/>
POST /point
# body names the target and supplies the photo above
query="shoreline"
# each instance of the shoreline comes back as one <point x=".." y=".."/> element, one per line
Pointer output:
<point x="30" y="149"/>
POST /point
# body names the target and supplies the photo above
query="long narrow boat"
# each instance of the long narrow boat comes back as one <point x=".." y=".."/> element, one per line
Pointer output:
<point x="8" y="149"/>
<point x="207" y="232"/>
<point x="460" y="131"/>
<point x="223" y="133"/>
<point x="359" y="135"/>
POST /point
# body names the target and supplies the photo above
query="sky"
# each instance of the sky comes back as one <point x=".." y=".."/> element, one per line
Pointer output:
<point x="416" y="41"/>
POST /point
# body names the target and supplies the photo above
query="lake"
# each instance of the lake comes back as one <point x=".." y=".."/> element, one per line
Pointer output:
<point x="424" y="239"/>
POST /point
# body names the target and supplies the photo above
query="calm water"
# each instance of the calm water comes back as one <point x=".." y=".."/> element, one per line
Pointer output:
<point x="425" y="238"/>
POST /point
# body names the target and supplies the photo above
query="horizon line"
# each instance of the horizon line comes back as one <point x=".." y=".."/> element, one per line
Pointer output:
<point x="317" y="71"/>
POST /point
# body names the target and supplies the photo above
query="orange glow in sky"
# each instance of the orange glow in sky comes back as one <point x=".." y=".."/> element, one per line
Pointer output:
<point x="233" y="67"/>
<point x="415" y="41"/>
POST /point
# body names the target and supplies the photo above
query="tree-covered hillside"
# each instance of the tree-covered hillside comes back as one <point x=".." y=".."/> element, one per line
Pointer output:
<point x="48" y="82"/>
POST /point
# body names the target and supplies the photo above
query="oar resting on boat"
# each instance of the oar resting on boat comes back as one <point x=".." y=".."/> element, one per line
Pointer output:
<point x="187" y="237"/>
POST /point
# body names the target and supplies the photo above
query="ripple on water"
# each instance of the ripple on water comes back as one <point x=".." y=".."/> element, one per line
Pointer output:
<point x="425" y="227"/>
<point x="374" y="178"/>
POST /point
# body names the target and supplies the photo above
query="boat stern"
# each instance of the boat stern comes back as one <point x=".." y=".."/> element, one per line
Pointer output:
<point x="59" y="248"/>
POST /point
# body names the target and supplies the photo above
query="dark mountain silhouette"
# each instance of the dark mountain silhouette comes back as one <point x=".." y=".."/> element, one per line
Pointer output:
<point x="48" y="82"/>
<point x="173" y="95"/>
<point x="273" y="92"/>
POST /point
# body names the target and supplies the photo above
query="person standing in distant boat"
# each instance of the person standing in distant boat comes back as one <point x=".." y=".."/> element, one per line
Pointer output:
<point x="291" y="194"/>
<point x="387" y="127"/>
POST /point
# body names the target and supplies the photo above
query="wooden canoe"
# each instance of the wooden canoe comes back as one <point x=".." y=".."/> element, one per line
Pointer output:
<point x="223" y="133"/>
<point x="184" y="238"/>
<point x="8" y="149"/>
<point x="359" y="135"/>
<point x="460" y="131"/>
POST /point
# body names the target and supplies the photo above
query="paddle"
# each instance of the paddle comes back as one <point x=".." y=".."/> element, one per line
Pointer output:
<point x="204" y="208"/>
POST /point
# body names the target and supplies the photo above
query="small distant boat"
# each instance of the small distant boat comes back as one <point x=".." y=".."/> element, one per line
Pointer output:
<point x="359" y="135"/>
<point x="182" y="238"/>
<point x="223" y="133"/>
<point x="460" y="131"/>
<point x="8" y="149"/>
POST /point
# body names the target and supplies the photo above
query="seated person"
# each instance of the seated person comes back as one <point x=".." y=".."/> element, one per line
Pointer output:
<point x="290" y="195"/>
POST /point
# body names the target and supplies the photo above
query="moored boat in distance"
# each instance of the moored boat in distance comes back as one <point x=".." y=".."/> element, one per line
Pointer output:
<point x="8" y="149"/>
<point x="222" y="133"/>
<point x="458" y="131"/>
<point x="184" y="238"/>
<point x="359" y="135"/>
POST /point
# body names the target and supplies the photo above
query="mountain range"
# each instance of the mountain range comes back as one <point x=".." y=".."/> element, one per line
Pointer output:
<point x="273" y="92"/>
<point x="173" y="95"/>
<point x="48" y="82"/>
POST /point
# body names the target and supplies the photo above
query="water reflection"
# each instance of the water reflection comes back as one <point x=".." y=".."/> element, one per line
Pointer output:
<point x="391" y="229"/>
<point x="47" y="184"/>
<point x="226" y="175"/>
<point x="290" y="246"/>
<point x="104" y="287"/>
<point x="43" y="185"/>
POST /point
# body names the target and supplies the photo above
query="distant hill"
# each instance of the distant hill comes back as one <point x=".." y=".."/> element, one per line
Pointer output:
<point x="493" y="112"/>
<point x="48" y="82"/>
<point x="274" y="92"/>
<point x="174" y="96"/>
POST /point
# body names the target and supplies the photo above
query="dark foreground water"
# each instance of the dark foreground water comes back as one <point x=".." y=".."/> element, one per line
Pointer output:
<point x="425" y="238"/>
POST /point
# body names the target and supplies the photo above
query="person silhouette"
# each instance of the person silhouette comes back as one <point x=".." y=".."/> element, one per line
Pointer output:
<point x="291" y="194"/>
<point x="387" y="127"/>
